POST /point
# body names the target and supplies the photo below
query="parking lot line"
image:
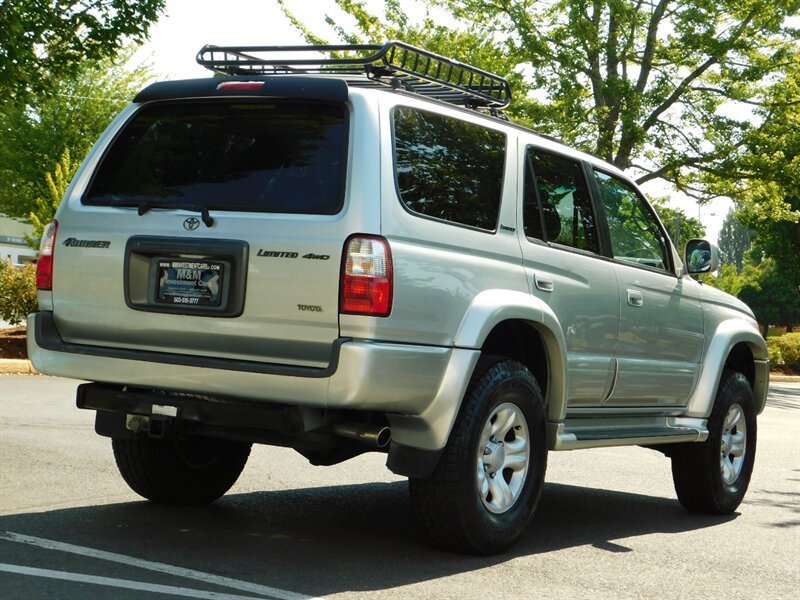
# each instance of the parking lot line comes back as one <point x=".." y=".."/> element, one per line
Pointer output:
<point x="139" y="586"/>
<point x="159" y="567"/>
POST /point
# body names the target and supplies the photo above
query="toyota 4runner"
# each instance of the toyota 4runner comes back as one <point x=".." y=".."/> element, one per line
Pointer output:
<point x="361" y="253"/>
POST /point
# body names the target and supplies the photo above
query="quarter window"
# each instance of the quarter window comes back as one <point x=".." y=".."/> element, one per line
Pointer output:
<point x="448" y="169"/>
<point x="635" y="234"/>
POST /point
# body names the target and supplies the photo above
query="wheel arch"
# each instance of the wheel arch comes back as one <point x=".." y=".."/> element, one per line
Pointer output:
<point x="536" y="340"/>
<point x="520" y="326"/>
<point x="739" y="347"/>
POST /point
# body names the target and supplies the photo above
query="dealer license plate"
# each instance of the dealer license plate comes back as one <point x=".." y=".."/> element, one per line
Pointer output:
<point x="188" y="282"/>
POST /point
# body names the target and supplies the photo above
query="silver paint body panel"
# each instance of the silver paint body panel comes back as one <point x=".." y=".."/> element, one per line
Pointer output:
<point x="452" y="286"/>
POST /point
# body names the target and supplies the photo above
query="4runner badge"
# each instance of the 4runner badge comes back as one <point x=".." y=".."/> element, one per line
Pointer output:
<point x="75" y="243"/>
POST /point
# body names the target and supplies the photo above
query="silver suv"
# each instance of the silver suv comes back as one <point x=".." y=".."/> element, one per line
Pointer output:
<point x="361" y="253"/>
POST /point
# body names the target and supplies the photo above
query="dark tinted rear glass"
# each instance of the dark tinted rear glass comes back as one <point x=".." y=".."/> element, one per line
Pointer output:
<point x="449" y="169"/>
<point x="247" y="156"/>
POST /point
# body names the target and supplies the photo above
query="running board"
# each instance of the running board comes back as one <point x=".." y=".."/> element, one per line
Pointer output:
<point x="574" y="434"/>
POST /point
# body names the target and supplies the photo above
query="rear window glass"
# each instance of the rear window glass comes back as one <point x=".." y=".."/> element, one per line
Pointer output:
<point x="245" y="156"/>
<point x="449" y="169"/>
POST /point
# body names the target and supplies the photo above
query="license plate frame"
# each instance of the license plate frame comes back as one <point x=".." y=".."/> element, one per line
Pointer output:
<point x="190" y="283"/>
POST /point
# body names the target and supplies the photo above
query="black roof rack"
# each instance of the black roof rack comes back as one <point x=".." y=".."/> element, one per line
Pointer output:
<point x="395" y="64"/>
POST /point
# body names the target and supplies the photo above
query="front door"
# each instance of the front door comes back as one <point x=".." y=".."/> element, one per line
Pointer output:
<point x="661" y="317"/>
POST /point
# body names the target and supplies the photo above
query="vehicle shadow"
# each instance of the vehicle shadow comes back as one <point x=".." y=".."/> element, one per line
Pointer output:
<point x="783" y="396"/>
<point x="327" y="540"/>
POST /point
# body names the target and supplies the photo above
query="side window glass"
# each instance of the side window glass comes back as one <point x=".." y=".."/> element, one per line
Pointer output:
<point x="532" y="216"/>
<point x="563" y="213"/>
<point x="635" y="234"/>
<point x="449" y="169"/>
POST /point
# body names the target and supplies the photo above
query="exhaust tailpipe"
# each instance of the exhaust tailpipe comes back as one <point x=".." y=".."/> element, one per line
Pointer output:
<point x="372" y="435"/>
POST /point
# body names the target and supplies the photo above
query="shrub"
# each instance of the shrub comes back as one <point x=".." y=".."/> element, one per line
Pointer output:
<point x="784" y="351"/>
<point x="17" y="292"/>
<point x="775" y="354"/>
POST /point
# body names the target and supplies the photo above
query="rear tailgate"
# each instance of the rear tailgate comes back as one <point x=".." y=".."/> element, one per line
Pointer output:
<point x="214" y="227"/>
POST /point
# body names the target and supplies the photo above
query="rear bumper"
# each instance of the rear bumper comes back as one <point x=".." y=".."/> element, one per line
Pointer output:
<point x="361" y="375"/>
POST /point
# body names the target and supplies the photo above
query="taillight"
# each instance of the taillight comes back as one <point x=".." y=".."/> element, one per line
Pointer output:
<point x="366" y="287"/>
<point x="44" y="267"/>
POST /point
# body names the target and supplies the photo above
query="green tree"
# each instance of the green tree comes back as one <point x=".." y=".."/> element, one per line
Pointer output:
<point x="33" y="137"/>
<point x="765" y="175"/>
<point x="734" y="241"/>
<point x="640" y="84"/>
<point x="674" y="219"/>
<point x="763" y="287"/>
<point x="45" y="42"/>
<point x="780" y="240"/>
<point x="57" y="183"/>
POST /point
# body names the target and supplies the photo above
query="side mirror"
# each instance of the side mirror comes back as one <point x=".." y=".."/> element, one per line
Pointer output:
<point x="701" y="256"/>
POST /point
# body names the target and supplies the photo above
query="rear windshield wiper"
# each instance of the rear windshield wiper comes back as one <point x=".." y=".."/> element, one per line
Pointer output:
<point x="204" y="215"/>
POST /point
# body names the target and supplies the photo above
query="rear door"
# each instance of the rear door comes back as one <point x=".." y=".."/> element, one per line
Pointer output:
<point x="222" y="221"/>
<point x="561" y="253"/>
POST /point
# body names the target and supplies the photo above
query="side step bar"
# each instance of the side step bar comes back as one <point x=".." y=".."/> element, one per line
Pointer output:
<point x="574" y="434"/>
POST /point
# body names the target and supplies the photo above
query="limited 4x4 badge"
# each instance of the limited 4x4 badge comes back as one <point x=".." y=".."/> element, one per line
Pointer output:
<point x="283" y="254"/>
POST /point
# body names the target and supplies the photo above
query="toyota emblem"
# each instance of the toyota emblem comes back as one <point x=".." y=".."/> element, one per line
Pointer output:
<point x="191" y="223"/>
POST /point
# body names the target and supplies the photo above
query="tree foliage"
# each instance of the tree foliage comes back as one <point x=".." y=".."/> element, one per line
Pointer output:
<point x="676" y="220"/>
<point x="764" y="173"/>
<point x="35" y="135"/>
<point x="763" y="287"/>
<point x="57" y="183"/>
<point x="47" y="41"/>
<point x="638" y="83"/>
<point x="734" y="241"/>
<point x="780" y="240"/>
<point x="765" y="176"/>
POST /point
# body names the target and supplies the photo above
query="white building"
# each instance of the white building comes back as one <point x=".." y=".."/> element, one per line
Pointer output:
<point x="12" y="241"/>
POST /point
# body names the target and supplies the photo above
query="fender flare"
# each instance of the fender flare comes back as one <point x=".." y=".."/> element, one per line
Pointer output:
<point x="728" y="334"/>
<point x="491" y="307"/>
<point x="431" y="429"/>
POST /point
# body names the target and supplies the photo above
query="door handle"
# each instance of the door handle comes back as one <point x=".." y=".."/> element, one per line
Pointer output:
<point x="635" y="298"/>
<point x="543" y="283"/>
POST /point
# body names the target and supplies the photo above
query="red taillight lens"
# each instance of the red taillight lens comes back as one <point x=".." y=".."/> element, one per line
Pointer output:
<point x="366" y="287"/>
<point x="44" y="266"/>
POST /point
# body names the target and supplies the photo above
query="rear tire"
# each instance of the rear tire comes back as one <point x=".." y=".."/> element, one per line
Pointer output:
<point x="712" y="476"/>
<point x="197" y="470"/>
<point x="487" y="483"/>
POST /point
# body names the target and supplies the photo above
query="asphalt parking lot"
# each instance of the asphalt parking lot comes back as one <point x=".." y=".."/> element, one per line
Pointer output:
<point x="608" y="526"/>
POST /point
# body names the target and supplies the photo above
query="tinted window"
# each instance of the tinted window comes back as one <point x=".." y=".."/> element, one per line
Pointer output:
<point x="259" y="156"/>
<point x="635" y="234"/>
<point x="449" y="169"/>
<point x="562" y="211"/>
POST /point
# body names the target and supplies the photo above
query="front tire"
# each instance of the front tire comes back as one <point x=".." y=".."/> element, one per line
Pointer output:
<point x="712" y="476"/>
<point x="197" y="470"/>
<point x="487" y="483"/>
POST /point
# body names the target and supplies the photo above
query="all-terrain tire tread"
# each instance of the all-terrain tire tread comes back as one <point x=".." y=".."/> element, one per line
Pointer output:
<point x="433" y="498"/>
<point x="695" y="466"/>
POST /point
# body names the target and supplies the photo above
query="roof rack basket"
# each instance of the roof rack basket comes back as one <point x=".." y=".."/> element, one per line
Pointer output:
<point x="395" y="64"/>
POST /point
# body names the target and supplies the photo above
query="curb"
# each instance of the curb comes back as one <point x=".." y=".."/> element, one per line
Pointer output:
<point x="784" y="378"/>
<point x="12" y="366"/>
